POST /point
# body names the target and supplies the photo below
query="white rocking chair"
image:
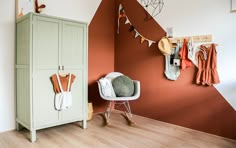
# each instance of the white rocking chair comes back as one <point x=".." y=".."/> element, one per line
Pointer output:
<point x="117" y="101"/>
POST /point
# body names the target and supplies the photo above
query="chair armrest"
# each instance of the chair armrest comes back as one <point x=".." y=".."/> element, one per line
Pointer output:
<point x="137" y="88"/>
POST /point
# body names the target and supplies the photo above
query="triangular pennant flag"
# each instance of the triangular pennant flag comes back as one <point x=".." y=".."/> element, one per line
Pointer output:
<point x="131" y="28"/>
<point x="142" y="39"/>
<point x="123" y="14"/>
<point x="119" y="16"/>
<point x="149" y="43"/>
<point x="127" y="20"/>
<point x="136" y="34"/>
<point x="120" y="8"/>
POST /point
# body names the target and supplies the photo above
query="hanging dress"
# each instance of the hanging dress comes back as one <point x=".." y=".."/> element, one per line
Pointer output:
<point x="207" y="69"/>
<point x="183" y="53"/>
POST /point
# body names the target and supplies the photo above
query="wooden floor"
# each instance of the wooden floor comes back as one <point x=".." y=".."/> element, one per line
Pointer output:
<point x="147" y="133"/>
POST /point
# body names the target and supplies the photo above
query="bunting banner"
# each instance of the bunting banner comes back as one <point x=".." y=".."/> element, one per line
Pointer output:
<point x="122" y="14"/>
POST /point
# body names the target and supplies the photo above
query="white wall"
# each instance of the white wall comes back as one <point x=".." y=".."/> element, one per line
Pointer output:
<point x="82" y="10"/>
<point x="7" y="56"/>
<point x="73" y="9"/>
<point x="199" y="17"/>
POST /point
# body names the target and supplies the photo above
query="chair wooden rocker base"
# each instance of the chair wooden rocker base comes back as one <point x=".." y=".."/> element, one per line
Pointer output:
<point x="127" y="113"/>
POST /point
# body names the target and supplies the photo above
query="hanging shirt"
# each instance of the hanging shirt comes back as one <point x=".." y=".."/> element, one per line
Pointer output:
<point x="207" y="69"/>
<point x="64" y="82"/>
<point x="190" y="48"/>
<point x="191" y="52"/>
<point x="183" y="53"/>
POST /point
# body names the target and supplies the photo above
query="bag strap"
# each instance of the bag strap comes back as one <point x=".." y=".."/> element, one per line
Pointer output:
<point x="68" y="86"/>
<point x="59" y="83"/>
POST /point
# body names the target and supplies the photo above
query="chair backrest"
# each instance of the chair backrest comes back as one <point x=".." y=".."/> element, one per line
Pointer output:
<point x="113" y="75"/>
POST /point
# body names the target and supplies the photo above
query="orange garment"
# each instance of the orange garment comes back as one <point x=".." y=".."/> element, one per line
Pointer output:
<point x="207" y="69"/>
<point x="64" y="82"/>
<point x="183" y="53"/>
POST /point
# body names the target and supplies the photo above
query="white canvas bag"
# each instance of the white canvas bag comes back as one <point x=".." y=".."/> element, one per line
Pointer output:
<point x="63" y="100"/>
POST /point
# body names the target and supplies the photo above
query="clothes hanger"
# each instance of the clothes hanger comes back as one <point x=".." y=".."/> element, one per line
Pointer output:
<point x="61" y="72"/>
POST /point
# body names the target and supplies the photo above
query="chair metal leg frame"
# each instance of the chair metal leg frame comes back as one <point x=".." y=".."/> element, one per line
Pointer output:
<point x="128" y="112"/>
<point x="113" y="104"/>
<point x="109" y="110"/>
<point x="127" y="106"/>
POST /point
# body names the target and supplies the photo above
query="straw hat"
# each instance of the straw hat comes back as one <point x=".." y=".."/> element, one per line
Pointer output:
<point x="165" y="46"/>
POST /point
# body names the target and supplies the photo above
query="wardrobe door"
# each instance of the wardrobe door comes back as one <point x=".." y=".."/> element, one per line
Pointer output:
<point x="46" y="39"/>
<point x="73" y="53"/>
<point x="74" y="60"/>
<point x="76" y="111"/>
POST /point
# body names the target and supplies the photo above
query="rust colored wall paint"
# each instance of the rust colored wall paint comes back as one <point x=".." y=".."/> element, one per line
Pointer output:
<point x="178" y="102"/>
<point x="101" y="49"/>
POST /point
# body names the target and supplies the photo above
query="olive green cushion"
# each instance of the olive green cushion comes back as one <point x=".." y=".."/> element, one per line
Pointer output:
<point x="123" y="86"/>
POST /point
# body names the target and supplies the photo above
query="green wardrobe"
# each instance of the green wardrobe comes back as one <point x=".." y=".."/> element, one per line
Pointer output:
<point x="46" y="45"/>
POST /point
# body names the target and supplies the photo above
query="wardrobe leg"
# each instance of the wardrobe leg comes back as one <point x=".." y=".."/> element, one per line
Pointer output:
<point x="84" y="124"/>
<point x="18" y="126"/>
<point x="33" y="135"/>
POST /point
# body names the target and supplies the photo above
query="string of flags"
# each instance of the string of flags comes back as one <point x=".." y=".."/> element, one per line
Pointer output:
<point x="121" y="14"/>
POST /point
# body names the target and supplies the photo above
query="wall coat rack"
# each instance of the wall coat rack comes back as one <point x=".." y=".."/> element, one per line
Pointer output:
<point x="196" y="39"/>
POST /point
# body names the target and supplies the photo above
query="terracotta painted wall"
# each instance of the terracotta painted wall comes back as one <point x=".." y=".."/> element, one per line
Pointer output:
<point x="101" y="49"/>
<point x="178" y="102"/>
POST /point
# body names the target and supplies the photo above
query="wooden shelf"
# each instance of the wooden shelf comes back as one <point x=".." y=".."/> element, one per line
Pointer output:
<point x="196" y="39"/>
